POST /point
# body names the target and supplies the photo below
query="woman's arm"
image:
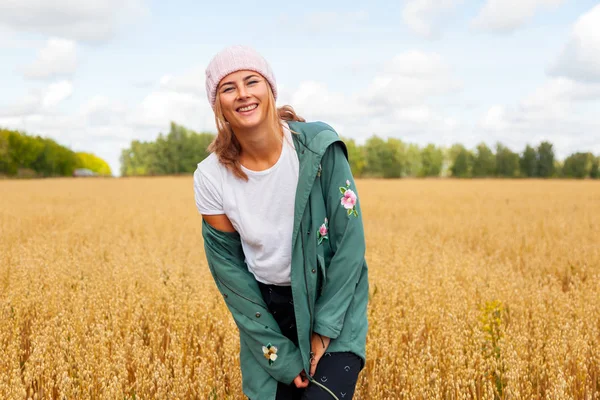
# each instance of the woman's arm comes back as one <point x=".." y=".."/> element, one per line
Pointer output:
<point x="244" y="300"/>
<point x="220" y="222"/>
<point x="346" y="239"/>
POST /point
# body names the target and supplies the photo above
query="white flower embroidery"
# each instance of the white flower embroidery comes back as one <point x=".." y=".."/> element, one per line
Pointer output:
<point x="270" y="353"/>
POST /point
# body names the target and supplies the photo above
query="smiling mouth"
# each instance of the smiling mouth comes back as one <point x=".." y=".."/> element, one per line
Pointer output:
<point x="247" y="108"/>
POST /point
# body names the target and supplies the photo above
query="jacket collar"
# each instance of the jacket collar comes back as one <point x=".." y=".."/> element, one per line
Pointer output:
<point x="310" y="142"/>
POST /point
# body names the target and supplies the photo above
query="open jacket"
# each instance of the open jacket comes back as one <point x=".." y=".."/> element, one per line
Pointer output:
<point x="328" y="272"/>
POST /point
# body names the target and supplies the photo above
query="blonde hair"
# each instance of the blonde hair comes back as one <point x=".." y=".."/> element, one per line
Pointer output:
<point x="228" y="148"/>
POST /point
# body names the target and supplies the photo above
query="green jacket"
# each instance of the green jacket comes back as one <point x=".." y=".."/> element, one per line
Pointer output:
<point x="328" y="273"/>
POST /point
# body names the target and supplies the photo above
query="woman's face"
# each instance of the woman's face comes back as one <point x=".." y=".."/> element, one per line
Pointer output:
<point x="244" y="97"/>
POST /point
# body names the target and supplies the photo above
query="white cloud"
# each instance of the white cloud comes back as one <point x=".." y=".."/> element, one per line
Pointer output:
<point x="90" y="20"/>
<point x="407" y="80"/>
<point x="39" y="101"/>
<point x="424" y="17"/>
<point x="561" y="91"/>
<point x="57" y="58"/>
<point x="28" y="104"/>
<point x="580" y="58"/>
<point x="320" y="21"/>
<point x="101" y="111"/>
<point x="410" y="78"/>
<point x="494" y="119"/>
<point x="179" y="98"/>
<point x="554" y="112"/>
<point x="314" y="98"/>
<point x="191" y="82"/>
<point x="74" y="132"/>
<point x="105" y="126"/>
<point x="55" y="93"/>
<point x="508" y="15"/>
<point x="395" y="103"/>
<point x="10" y="39"/>
<point x="159" y="108"/>
<point x="325" y="19"/>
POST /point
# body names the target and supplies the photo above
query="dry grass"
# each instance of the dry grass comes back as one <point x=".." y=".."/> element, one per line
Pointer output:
<point x="480" y="289"/>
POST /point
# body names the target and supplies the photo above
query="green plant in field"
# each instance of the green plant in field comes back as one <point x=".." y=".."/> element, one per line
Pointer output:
<point x="491" y="317"/>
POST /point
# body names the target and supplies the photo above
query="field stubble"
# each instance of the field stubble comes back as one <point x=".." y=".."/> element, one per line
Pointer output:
<point x="479" y="290"/>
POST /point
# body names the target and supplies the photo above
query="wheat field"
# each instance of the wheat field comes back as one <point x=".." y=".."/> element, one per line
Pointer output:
<point x="483" y="289"/>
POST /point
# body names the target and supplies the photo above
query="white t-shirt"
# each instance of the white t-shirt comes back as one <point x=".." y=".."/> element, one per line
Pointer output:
<point x="261" y="210"/>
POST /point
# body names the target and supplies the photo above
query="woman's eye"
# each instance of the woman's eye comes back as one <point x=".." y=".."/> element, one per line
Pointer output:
<point x="252" y="82"/>
<point x="229" y="89"/>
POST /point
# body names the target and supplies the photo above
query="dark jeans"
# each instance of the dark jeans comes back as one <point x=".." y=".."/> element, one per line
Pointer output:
<point x="337" y="371"/>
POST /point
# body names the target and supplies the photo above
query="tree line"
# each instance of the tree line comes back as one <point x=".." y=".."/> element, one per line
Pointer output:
<point x="23" y="155"/>
<point x="178" y="152"/>
<point x="181" y="149"/>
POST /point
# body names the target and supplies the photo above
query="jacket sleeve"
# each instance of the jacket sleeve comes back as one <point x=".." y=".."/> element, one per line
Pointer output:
<point x="346" y="238"/>
<point x="244" y="300"/>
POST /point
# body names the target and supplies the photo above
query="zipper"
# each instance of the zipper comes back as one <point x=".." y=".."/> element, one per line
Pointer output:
<point x="241" y="295"/>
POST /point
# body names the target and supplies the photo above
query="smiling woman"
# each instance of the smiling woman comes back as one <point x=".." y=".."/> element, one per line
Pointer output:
<point x="283" y="237"/>
<point x="244" y="103"/>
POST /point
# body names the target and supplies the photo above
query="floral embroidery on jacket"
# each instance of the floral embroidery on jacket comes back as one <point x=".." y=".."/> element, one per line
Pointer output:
<point x="349" y="199"/>
<point x="270" y="353"/>
<point x="323" y="231"/>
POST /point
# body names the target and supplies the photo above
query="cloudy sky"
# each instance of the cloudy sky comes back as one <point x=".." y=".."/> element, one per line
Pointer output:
<point x="96" y="74"/>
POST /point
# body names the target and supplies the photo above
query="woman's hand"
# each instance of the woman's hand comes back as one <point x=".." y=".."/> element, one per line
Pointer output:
<point x="318" y="347"/>
<point x="301" y="381"/>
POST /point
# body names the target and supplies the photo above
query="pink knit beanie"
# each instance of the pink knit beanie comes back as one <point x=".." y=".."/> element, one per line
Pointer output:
<point x="232" y="59"/>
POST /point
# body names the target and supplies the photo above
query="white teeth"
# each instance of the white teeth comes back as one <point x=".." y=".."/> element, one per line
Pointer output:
<point x="250" y="107"/>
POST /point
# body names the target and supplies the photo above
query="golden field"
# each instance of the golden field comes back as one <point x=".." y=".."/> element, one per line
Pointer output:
<point x="480" y="289"/>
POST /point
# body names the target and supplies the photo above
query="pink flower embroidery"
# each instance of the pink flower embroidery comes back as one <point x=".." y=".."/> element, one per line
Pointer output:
<point x="349" y="199"/>
<point x="323" y="231"/>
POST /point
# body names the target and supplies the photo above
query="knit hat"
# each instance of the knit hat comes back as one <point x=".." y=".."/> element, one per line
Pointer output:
<point x="232" y="59"/>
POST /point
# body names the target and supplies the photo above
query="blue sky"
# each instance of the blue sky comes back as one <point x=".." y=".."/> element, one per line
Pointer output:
<point x="95" y="75"/>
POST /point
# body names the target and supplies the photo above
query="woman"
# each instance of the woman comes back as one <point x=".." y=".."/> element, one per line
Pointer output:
<point x="283" y="237"/>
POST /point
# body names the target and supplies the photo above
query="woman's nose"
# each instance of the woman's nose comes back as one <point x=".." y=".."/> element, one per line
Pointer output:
<point x="242" y="92"/>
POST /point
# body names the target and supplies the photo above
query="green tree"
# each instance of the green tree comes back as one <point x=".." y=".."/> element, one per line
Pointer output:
<point x="462" y="164"/>
<point x="528" y="162"/>
<point x="484" y="163"/>
<point x="558" y="169"/>
<point x="34" y="155"/>
<point x="5" y="162"/>
<point x="432" y="160"/>
<point x="54" y="159"/>
<point x="507" y="162"/>
<point x="356" y="157"/>
<point x="595" y="170"/>
<point x="177" y="152"/>
<point x="398" y="149"/>
<point x="23" y="149"/>
<point x="413" y="163"/>
<point x="93" y="163"/>
<point x="545" y="159"/>
<point x="138" y="159"/>
<point x="197" y="150"/>
<point x="578" y="165"/>
<point x="382" y="159"/>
